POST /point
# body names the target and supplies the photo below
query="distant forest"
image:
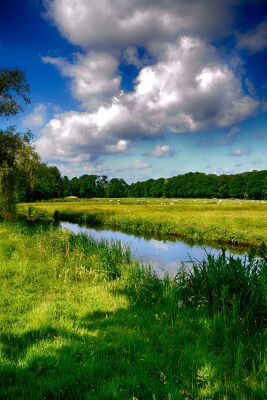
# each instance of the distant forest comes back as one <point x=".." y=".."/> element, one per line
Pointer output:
<point x="49" y="184"/>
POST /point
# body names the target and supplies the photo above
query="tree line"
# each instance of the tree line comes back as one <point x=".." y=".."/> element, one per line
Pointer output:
<point x="50" y="184"/>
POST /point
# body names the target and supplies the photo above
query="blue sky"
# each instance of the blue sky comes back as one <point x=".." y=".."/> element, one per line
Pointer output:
<point x="142" y="89"/>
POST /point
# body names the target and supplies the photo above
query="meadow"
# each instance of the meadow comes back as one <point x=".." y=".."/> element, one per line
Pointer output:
<point x="232" y="222"/>
<point x="80" y="320"/>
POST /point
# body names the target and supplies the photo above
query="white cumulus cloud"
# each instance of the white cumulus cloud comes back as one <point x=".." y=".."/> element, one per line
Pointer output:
<point x="255" y="39"/>
<point x="106" y="24"/>
<point x="189" y="89"/>
<point x="160" y="151"/>
<point x="119" y="147"/>
<point x="238" y="152"/>
<point x="138" y="164"/>
<point x="37" y="117"/>
<point x="94" y="77"/>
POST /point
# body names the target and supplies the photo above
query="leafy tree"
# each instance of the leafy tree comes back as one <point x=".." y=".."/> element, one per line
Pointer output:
<point x="237" y="184"/>
<point x="116" y="188"/>
<point x="135" y="189"/>
<point x="66" y="190"/>
<point x="17" y="154"/>
<point x="12" y="85"/>
<point x="75" y="186"/>
<point x="48" y="183"/>
<point x="87" y="186"/>
<point x="256" y="184"/>
<point x="264" y="191"/>
<point x="157" y="188"/>
<point x="17" y="159"/>
<point x="101" y="185"/>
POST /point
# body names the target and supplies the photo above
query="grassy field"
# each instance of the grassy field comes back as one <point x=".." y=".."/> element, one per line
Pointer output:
<point x="79" y="320"/>
<point x="236" y="222"/>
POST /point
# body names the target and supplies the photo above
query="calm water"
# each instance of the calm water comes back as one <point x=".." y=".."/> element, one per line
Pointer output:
<point x="162" y="255"/>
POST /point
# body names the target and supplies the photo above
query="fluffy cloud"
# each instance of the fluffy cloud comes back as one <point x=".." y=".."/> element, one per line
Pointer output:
<point x="131" y="56"/>
<point x="94" y="77"/>
<point x="239" y="152"/>
<point x="80" y="136"/>
<point x="36" y="118"/>
<point x="119" y="147"/>
<point x="116" y="24"/>
<point x="72" y="135"/>
<point x="160" y="151"/>
<point x="137" y="164"/>
<point x="188" y="89"/>
<point x="254" y="40"/>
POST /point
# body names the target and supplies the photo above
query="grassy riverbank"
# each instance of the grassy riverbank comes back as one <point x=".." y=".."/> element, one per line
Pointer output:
<point x="236" y="222"/>
<point x="80" y="321"/>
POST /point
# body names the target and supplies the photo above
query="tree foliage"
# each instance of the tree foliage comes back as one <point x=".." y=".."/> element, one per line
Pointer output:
<point x="12" y="86"/>
<point x="46" y="183"/>
<point x="116" y="188"/>
<point x="17" y="154"/>
<point x="17" y="160"/>
<point x="246" y="185"/>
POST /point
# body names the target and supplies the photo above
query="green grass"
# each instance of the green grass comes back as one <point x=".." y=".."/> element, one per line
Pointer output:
<point x="80" y="320"/>
<point x="233" y="222"/>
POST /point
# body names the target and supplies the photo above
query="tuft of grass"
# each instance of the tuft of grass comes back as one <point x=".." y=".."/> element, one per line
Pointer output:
<point x="234" y="287"/>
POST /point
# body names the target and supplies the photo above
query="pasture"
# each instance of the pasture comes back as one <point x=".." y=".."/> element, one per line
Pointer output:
<point x="232" y="222"/>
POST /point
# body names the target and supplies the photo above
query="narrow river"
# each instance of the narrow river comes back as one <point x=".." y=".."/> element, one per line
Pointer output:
<point x="164" y="256"/>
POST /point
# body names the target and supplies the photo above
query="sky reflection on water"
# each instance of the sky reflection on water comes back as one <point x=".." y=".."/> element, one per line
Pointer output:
<point x="164" y="256"/>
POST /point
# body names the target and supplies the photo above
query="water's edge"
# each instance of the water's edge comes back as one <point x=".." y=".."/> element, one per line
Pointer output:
<point x="162" y="255"/>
